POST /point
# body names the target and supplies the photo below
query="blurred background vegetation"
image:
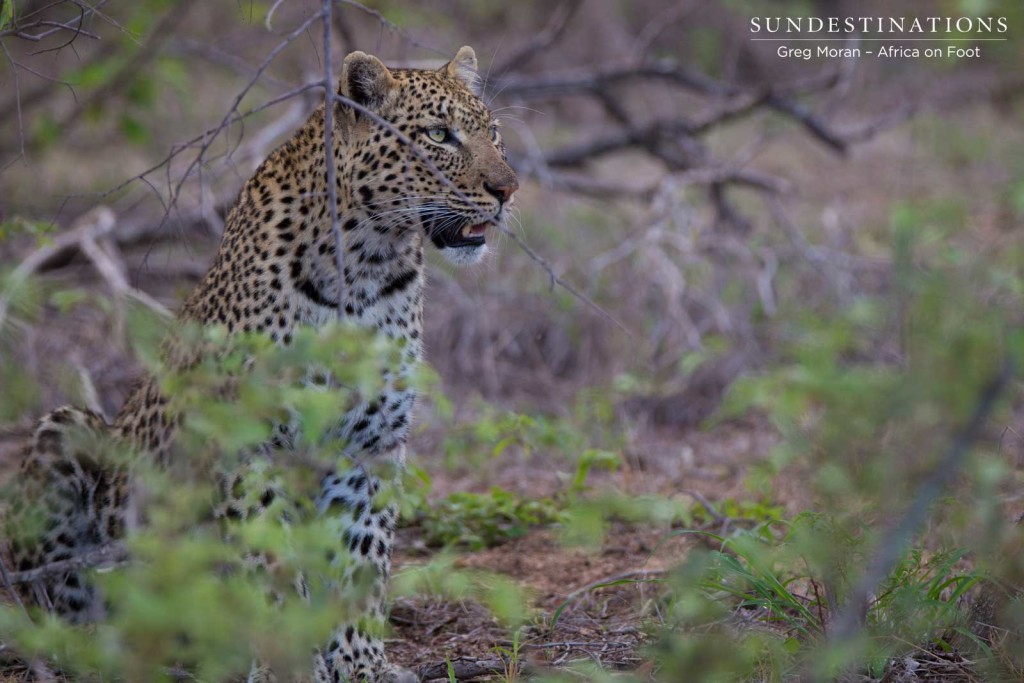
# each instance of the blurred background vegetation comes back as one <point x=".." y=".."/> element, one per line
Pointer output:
<point x="752" y="458"/>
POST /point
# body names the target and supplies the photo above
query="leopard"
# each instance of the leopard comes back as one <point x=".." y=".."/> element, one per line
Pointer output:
<point x="418" y="157"/>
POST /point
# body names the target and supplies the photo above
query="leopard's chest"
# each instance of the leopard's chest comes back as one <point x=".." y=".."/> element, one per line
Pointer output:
<point x="391" y="306"/>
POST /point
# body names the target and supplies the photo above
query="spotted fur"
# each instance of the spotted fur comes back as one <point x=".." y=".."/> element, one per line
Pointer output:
<point x="275" y="272"/>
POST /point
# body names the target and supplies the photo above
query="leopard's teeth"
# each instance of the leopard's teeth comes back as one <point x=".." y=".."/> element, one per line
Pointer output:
<point x="467" y="231"/>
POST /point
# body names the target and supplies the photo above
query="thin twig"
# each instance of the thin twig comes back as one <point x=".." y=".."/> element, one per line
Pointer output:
<point x="329" y="159"/>
<point x="849" y="622"/>
<point x="541" y="40"/>
<point x="778" y="97"/>
<point x="112" y="555"/>
<point x="555" y="280"/>
<point x="464" y="668"/>
<point x="705" y="503"/>
<point x="17" y="103"/>
<point x="162" y="31"/>
<point x="637" y="574"/>
<point x="20" y="30"/>
<point x="9" y="585"/>
<point x="270" y="14"/>
<point x="34" y="261"/>
<point x="99" y="252"/>
<point x="205" y="135"/>
<point x="390" y="25"/>
<point x="87" y="235"/>
<point x="226" y="120"/>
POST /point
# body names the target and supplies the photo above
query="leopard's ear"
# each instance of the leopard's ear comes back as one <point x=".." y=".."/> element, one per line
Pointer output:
<point x="463" y="68"/>
<point x="365" y="80"/>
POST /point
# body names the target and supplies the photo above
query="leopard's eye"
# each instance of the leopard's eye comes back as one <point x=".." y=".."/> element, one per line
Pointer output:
<point x="438" y="134"/>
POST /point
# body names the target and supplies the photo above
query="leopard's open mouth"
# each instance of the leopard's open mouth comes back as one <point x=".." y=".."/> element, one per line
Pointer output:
<point x="460" y="235"/>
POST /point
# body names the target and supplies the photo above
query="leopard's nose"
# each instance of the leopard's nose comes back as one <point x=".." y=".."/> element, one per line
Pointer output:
<point x="502" y="191"/>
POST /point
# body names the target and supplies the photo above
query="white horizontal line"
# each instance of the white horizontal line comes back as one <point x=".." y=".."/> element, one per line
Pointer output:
<point x="788" y="40"/>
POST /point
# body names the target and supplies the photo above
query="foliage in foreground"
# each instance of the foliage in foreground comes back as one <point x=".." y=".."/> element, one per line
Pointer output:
<point x="760" y="604"/>
<point x="871" y="427"/>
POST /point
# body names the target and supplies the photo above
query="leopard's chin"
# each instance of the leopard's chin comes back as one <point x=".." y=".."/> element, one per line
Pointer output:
<point x="462" y="244"/>
<point x="465" y="255"/>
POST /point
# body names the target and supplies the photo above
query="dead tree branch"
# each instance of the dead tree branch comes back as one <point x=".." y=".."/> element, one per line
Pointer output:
<point x="556" y="280"/>
<point x="208" y="134"/>
<point x="90" y="235"/>
<point x="8" y="582"/>
<point x="676" y="140"/>
<point x="332" y="188"/>
<point x="74" y="26"/>
<point x="389" y="25"/>
<point x="102" y="252"/>
<point x="197" y="161"/>
<point x="161" y="33"/>
<point x="112" y="555"/>
<point x="465" y="669"/>
<point x="541" y="40"/>
<point x="742" y="100"/>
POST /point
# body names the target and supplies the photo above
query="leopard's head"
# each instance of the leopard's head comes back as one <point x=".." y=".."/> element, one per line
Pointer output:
<point x="440" y="112"/>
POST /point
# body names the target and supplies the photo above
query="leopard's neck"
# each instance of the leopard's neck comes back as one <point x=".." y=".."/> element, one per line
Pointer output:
<point x="277" y="259"/>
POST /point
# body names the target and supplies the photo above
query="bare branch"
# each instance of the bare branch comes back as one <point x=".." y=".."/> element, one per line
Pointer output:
<point x="389" y="25"/>
<point x="9" y="585"/>
<point x="101" y="252"/>
<point x="162" y="31"/>
<point x="465" y="669"/>
<point x="17" y="104"/>
<point x="90" y="231"/>
<point x="555" y="280"/>
<point x="77" y="31"/>
<point x="112" y="555"/>
<point x="74" y="25"/>
<point x="22" y="31"/>
<point x="32" y="263"/>
<point x="332" y="188"/>
<point x="813" y="124"/>
<point x="778" y="97"/>
<point x="849" y="622"/>
<point x="542" y="40"/>
<point x="589" y="82"/>
<point x="270" y="14"/>
<point x="205" y="135"/>
<point x="211" y="135"/>
<point x="631" y="137"/>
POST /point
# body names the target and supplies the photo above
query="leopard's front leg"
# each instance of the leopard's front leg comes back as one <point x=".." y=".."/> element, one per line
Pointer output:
<point x="368" y="521"/>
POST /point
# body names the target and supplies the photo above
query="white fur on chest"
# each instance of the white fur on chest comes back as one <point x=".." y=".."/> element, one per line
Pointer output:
<point x="378" y="423"/>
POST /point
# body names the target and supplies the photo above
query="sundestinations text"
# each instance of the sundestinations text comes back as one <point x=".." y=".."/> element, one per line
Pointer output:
<point x="887" y="25"/>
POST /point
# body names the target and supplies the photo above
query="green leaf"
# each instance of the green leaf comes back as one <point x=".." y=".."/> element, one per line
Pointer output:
<point x="1017" y="197"/>
<point x="6" y="13"/>
<point x="133" y="130"/>
<point x="46" y="130"/>
<point x="66" y="299"/>
<point x="94" y="74"/>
